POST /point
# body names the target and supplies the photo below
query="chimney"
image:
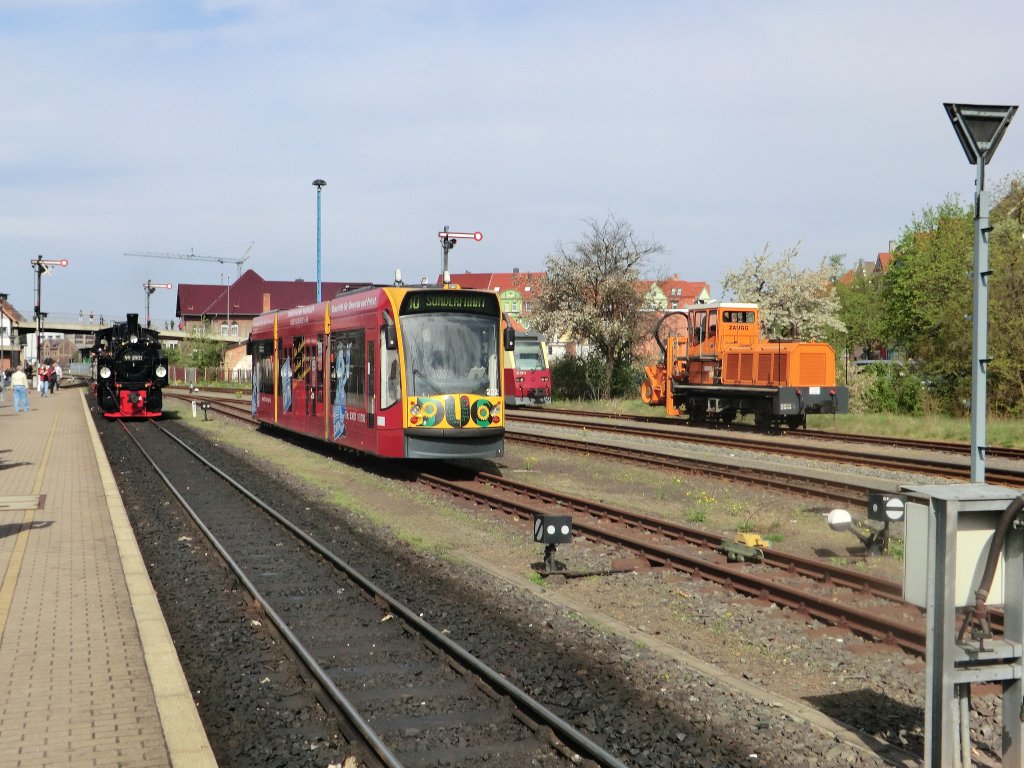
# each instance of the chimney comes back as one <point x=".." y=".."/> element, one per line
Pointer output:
<point x="266" y="302"/>
<point x="515" y="270"/>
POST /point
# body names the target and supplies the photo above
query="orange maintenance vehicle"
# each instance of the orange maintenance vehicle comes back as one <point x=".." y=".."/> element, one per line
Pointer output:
<point x="723" y="367"/>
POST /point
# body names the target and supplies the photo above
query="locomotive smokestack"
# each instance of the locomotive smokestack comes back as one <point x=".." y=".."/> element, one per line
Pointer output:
<point x="133" y="322"/>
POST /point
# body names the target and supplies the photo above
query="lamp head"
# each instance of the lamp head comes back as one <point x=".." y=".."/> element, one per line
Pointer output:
<point x="840" y="520"/>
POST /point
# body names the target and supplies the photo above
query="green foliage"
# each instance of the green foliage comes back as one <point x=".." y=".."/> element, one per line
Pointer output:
<point x="862" y="312"/>
<point x="890" y="388"/>
<point x="927" y="295"/>
<point x="1006" y="299"/>
<point x="582" y="377"/>
<point x="896" y="549"/>
<point x="198" y="351"/>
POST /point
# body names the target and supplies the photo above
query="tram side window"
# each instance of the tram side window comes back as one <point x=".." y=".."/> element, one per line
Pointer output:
<point x="348" y="368"/>
<point x="263" y="366"/>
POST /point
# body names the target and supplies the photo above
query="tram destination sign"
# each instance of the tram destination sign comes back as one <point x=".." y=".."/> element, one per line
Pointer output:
<point x="418" y="302"/>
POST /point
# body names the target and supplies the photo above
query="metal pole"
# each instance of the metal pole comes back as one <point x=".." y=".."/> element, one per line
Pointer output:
<point x="318" y="289"/>
<point x="980" y="335"/>
<point x="319" y="184"/>
<point x="39" y="307"/>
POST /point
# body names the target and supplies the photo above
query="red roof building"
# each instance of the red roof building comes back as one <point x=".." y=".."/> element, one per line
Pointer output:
<point x="229" y="309"/>
<point x="674" y="293"/>
<point x="516" y="290"/>
<point x="867" y="267"/>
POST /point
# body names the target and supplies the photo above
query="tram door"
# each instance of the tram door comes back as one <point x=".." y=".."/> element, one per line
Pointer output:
<point x="371" y="389"/>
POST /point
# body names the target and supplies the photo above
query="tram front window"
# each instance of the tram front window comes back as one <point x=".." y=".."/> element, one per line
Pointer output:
<point x="529" y="355"/>
<point x="451" y="354"/>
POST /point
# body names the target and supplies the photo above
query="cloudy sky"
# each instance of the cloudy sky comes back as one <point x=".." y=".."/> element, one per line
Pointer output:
<point x="185" y="126"/>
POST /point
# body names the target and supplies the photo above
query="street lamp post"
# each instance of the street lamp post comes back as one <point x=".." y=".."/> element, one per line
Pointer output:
<point x="319" y="184"/>
<point x="979" y="129"/>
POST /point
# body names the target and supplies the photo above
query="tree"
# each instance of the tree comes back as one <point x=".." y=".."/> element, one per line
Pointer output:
<point x="927" y="299"/>
<point x="198" y="351"/>
<point x="790" y="299"/>
<point x="592" y="291"/>
<point x="862" y="313"/>
<point x="1006" y="298"/>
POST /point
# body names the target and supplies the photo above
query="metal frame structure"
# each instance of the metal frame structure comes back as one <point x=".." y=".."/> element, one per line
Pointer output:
<point x="955" y="662"/>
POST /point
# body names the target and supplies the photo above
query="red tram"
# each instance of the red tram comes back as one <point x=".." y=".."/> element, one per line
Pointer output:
<point x="395" y="371"/>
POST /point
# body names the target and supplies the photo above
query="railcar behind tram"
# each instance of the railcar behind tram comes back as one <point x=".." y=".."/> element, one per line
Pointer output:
<point x="129" y="370"/>
<point x="527" y="372"/>
<point x="395" y="371"/>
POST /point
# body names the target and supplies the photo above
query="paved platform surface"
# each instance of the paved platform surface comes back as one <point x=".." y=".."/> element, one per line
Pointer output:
<point x="88" y="673"/>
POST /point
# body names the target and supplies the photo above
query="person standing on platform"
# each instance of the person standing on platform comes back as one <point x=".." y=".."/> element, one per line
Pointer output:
<point x="44" y="379"/>
<point x="19" y="383"/>
<point x="57" y="372"/>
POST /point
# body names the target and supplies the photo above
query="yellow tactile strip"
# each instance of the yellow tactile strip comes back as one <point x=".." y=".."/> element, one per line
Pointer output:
<point x="186" y="739"/>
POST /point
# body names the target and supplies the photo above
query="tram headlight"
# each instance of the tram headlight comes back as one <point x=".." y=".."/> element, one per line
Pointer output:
<point x="414" y="409"/>
<point x="104" y="372"/>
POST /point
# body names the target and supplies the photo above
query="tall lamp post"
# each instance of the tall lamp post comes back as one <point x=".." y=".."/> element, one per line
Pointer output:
<point x="319" y="184"/>
<point x="42" y="267"/>
<point x="979" y="129"/>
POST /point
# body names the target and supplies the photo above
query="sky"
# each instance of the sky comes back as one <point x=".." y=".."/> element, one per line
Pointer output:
<point x="715" y="129"/>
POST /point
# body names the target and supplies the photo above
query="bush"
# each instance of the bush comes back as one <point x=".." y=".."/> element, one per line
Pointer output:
<point x="886" y="388"/>
<point x="582" y="378"/>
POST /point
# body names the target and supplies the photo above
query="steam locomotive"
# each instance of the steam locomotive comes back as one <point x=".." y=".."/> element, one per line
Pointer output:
<point x="129" y="369"/>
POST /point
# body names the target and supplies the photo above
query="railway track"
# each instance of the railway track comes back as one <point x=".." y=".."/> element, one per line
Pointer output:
<point x="684" y="428"/>
<point x="876" y="604"/>
<point x="836" y="596"/>
<point x="953" y="469"/>
<point x="841" y="597"/>
<point x="833" y="490"/>
<point x="405" y="690"/>
<point x="946" y="446"/>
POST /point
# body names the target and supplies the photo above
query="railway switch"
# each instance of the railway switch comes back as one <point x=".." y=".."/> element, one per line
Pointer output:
<point x="875" y="540"/>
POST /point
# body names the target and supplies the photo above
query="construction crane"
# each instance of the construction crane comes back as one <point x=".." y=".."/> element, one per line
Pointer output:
<point x="192" y="256"/>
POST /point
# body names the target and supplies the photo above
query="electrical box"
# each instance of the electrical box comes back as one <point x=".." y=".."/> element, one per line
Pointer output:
<point x="976" y="511"/>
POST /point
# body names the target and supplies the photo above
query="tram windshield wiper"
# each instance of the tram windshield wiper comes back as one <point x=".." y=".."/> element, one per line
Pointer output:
<point x="417" y="372"/>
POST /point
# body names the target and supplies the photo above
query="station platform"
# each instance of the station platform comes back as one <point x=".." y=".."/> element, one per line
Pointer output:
<point x="88" y="673"/>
